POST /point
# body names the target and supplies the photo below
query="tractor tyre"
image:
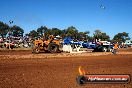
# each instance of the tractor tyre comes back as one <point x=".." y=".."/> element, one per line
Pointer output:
<point x="104" y="49"/>
<point x="53" y="48"/>
<point x="36" y="50"/>
<point x="109" y="50"/>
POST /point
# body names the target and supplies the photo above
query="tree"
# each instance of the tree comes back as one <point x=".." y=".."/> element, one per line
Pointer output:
<point x="17" y="31"/>
<point x="97" y="34"/>
<point x="104" y="37"/>
<point x="71" y="32"/>
<point x="3" y="29"/>
<point x="90" y="38"/>
<point x="26" y="34"/>
<point x="121" y="37"/>
<point x="42" y="31"/>
<point x="56" y="31"/>
<point x="63" y="34"/>
<point x="33" y="34"/>
<point x="83" y="35"/>
<point x="100" y="35"/>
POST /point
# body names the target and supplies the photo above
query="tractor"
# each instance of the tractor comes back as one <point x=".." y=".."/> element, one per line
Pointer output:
<point x="50" y="45"/>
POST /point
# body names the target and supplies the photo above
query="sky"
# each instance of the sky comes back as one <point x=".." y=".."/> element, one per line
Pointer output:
<point x="110" y="16"/>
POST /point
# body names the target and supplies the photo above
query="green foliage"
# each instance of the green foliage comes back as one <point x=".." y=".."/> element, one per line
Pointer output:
<point x="56" y="31"/>
<point x="3" y="29"/>
<point x="17" y="31"/>
<point x="71" y="31"/>
<point x="42" y="30"/>
<point x="121" y="37"/>
<point x="100" y="35"/>
<point x="83" y="35"/>
<point x="33" y="34"/>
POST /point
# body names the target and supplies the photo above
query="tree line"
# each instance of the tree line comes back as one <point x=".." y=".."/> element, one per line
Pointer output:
<point x="15" y="31"/>
<point x="44" y="32"/>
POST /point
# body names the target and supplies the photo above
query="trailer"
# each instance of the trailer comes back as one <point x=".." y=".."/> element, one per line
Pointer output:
<point x="71" y="46"/>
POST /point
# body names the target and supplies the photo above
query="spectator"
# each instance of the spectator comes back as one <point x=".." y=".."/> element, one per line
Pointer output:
<point x="115" y="47"/>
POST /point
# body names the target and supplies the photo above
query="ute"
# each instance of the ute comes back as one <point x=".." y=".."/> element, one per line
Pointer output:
<point x="50" y="45"/>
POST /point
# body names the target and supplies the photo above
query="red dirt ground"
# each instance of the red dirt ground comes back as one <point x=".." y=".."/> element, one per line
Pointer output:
<point x="61" y="70"/>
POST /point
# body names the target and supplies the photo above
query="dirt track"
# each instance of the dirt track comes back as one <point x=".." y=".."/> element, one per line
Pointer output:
<point x="21" y="69"/>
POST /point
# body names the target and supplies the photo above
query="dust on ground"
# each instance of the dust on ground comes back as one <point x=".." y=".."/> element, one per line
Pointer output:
<point x="22" y="69"/>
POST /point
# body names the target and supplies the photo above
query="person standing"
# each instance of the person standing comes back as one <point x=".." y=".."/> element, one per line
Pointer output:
<point x="115" y="47"/>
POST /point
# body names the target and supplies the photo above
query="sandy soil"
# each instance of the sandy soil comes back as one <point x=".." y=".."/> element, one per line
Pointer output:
<point x="22" y="69"/>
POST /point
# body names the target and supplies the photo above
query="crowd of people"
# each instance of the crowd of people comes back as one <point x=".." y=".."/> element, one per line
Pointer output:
<point x="15" y="42"/>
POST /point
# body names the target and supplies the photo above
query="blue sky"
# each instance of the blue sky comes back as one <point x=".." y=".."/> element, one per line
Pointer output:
<point x="85" y="15"/>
